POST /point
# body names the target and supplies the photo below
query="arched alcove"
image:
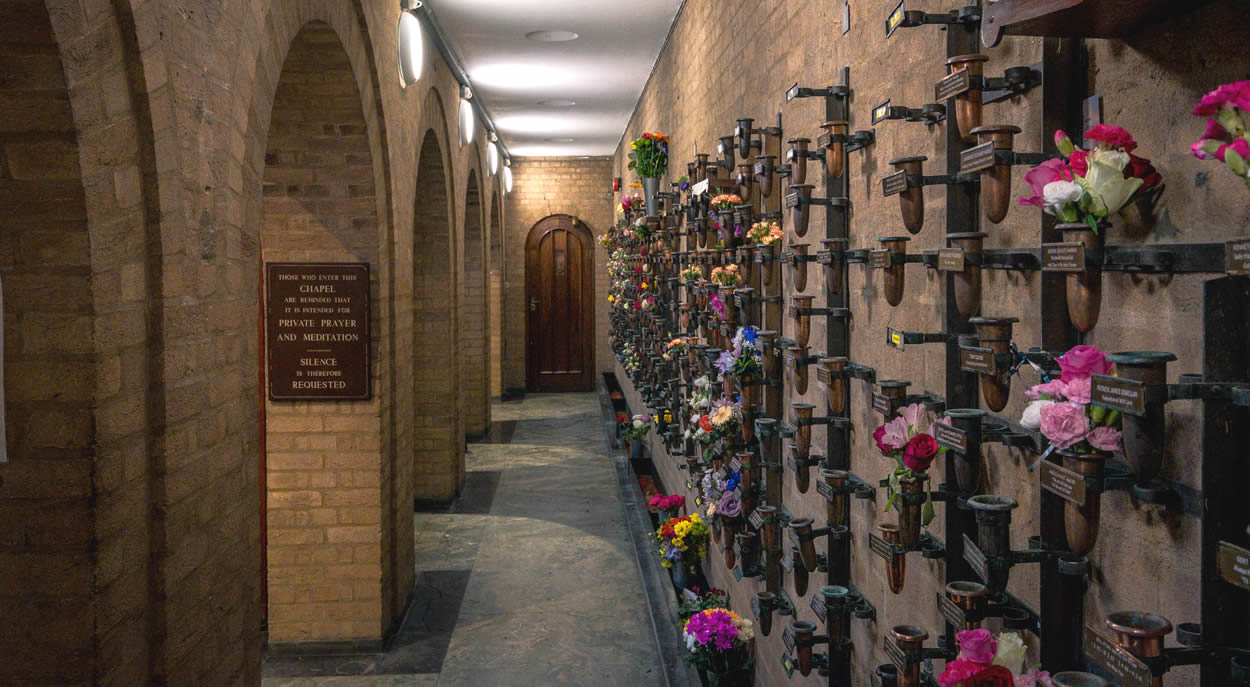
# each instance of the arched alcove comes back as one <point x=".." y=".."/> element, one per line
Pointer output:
<point x="473" y="315"/>
<point x="494" y="296"/>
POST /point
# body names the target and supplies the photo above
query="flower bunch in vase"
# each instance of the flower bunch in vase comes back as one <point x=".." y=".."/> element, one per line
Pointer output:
<point x="648" y="155"/>
<point x="1062" y="411"/>
<point x="691" y="274"/>
<point x="988" y="661"/>
<point x="636" y="429"/>
<point x="718" y="306"/>
<point x="1227" y="110"/>
<point x="629" y="358"/>
<point x="718" y="641"/>
<point x="667" y="505"/>
<point x="722" y="212"/>
<point x="683" y="541"/>
<point x="722" y="496"/>
<point x="698" y="601"/>
<point x="629" y="202"/>
<point x="764" y="234"/>
<point x="676" y="348"/>
<point x="1089" y="186"/>
<point x="727" y="275"/>
<point x="908" y="439"/>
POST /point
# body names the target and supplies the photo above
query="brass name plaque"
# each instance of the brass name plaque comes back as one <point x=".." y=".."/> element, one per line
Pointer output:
<point x="1234" y="564"/>
<point x="317" y="326"/>
<point x="895" y="183"/>
<point x="1062" y="482"/>
<point x="895" y="652"/>
<point x="824" y="140"/>
<point x="825" y="257"/>
<point x="792" y="200"/>
<point x="760" y="168"/>
<point x="1119" y="663"/>
<point x="951" y="437"/>
<point x="756" y="519"/>
<point x="975" y="558"/>
<point x="825" y="489"/>
<point x="1237" y="257"/>
<point x="879" y="259"/>
<point x="1116" y="393"/>
<point x="819" y="607"/>
<point x="978" y="360"/>
<point x="894" y="338"/>
<point x="882" y="404"/>
<point x="1063" y="257"/>
<point x="954" y="84"/>
<point x="977" y="158"/>
<point x="952" y="613"/>
<point x="824" y="376"/>
<point x="950" y="260"/>
<point x="880" y="547"/>
<point x="735" y="464"/>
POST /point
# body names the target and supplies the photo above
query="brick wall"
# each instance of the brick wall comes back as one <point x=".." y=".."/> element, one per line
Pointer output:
<point x="495" y="304"/>
<point x="474" y="347"/>
<point x="541" y="187"/>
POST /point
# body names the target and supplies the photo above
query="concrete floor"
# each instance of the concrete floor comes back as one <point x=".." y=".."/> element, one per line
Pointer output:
<point x="531" y="579"/>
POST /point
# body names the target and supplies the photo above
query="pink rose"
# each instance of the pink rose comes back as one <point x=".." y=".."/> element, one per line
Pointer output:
<point x="1064" y="424"/>
<point x="1083" y="361"/>
<point x="958" y="670"/>
<point x="1105" y="439"/>
<point x="1053" y="389"/>
<point x="1045" y="173"/>
<point x="1112" y="137"/>
<point x="1078" y="390"/>
<point x="977" y="646"/>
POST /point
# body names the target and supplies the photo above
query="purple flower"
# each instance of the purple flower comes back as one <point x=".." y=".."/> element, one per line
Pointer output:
<point x="729" y="505"/>
<point x="673" y="554"/>
<point x="717" y="306"/>
<point x="725" y="363"/>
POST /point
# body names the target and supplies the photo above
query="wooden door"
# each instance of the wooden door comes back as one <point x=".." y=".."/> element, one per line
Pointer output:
<point x="559" y="316"/>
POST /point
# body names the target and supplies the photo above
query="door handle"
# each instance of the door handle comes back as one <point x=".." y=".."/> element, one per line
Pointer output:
<point x="533" y="304"/>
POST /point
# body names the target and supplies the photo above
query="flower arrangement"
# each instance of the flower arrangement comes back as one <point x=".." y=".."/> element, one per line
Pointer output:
<point x="727" y="275"/>
<point x="682" y="540"/>
<point x="702" y="601"/>
<point x="676" y="348"/>
<point x="648" y="155"/>
<point x="908" y="439"/>
<point x="636" y="429"/>
<point x="717" y="306"/>
<point x="743" y="358"/>
<point x="691" y="274"/>
<point x="725" y="202"/>
<point x="1061" y="408"/>
<point x="1088" y="186"/>
<point x="1227" y="110"/>
<point x="717" y="639"/>
<point x="701" y="394"/>
<point x="629" y="358"/>
<point x="764" y="233"/>
<point x="669" y="502"/>
<point x="987" y="661"/>
<point x="630" y="202"/>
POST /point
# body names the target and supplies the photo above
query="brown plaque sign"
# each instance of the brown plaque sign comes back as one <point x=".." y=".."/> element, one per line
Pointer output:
<point x="792" y="200"/>
<point x="895" y="652"/>
<point x="819" y="608"/>
<point x="950" y="260"/>
<point x="952" y="85"/>
<point x="825" y="489"/>
<point x="879" y="259"/>
<point x="882" y="404"/>
<point x="1124" y="395"/>
<point x="1062" y="482"/>
<point x="977" y="158"/>
<point x="880" y="547"/>
<point x="317" y="331"/>
<point x="1237" y="257"/>
<point x="1063" y="257"/>
<point x="1122" y="665"/>
<point x="975" y="558"/>
<point x="1234" y="564"/>
<point x="978" y="360"/>
<point x="824" y="140"/>
<point x="951" y="437"/>
<point x="788" y="637"/>
<point x="952" y="613"/>
<point x="895" y="183"/>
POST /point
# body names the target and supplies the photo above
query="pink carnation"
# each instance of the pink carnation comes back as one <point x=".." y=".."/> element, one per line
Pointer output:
<point x="1105" y="439"/>
<point x="1064" y="424"/>
<point x="1054" y="389"/>
<point x="1216" y="131"/>
<point x="1078" y="162"/>
<point x="1239" y="146"/>
<point x="1113" y="137"/>
<point x="957" y="671"/>
<point x="1236" y="94"/>
<point x="1078" y="390"/>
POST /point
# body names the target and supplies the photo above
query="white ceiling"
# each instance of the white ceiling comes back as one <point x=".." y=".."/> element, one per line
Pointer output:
<point x="603" y="71"/>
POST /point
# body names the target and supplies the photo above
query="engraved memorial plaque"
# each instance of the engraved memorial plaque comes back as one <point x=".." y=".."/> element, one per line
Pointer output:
<point x="951" y="612"/>
<point x="787" y="636"/>
<point x="819" y="607"/>
<point x="735" y="464"/>
<point x="879" y="259"/>
<point x="824" y="140"/>
<point x="760" y="168"/>
<point x="825" y="257"/>
<point x="1237" y="257"/>
<point x="1063" y="257"/>
<point x="1062" y="482"/>
<point x="951" y="437"/>
<point x="825" y="489"/>
<point x="756" y="519"/>
<point x="792" y="199"/>
<point x="317" y="326"/>
<point x="1124" y="395"/>
<point x="978" y="360"/>
<point x="1234" y="564"/>
<point x="950" y="260"/>
<point x="895" y="183"/>
<point x="880" y="547"/>
<point x="882" y="404"/>
<point x="895" y="652"/>
<point x="823" y="376"/>
<point x="953" y="85"/>
<point x="1122" y="665"/>
<point x="977" y="158"/>
<point x="894" y="338"/>
<point x="975" y="558"/>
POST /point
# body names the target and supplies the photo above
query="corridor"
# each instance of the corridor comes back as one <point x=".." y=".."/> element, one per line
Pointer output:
<point x="529" y="578"/>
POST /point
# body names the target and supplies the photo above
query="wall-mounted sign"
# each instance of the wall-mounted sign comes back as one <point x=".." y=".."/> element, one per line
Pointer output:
<point x="317" y="331"/>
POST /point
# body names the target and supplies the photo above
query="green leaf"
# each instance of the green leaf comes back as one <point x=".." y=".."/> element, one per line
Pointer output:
<point x="926" y="516"/>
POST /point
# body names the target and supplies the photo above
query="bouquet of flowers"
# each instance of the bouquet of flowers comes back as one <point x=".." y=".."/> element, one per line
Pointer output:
<point x="1227" y="110"/>
<point x="712" y="598"/>
<point x="764" y="233"/>
<point x="682" y="540"/>
<point x="717" y="306"/>
<point x="722" y="497"/>
<point x="630" y="202"/>
<point x="636" y="429"/>
<point x="670" y="502"/>
<point x="908" y="439"/>
<point x="727" y="275"/>
<point x="629" y="358"/>
<point x="726" y="417"/>
<point x="648" y="155"/>
<point x="988" y="661"/>
<point x="701" y="395"/>
<point x="676" y="348"/>
<point x="744" y="357"/>
<point x="1088" y="186"/>
<point x="722" y="207"/>
<point x="645" y="303"/>
<point x="717" y="639"/>
<point x="1061" y="408"/>
<point x="691" y="274"/>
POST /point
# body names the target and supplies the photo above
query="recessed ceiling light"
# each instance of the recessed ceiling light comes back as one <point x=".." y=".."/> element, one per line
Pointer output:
<point x="559" y="140"/>
<point x="551" y="36"/>
<point x="557" y="103"/>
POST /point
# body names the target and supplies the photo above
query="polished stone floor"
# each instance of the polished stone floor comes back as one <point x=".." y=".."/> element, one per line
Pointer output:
<point x="530" y="579"/>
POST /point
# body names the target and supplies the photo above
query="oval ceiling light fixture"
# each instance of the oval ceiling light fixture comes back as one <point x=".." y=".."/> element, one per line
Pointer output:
<point x="507" y="177"/>
<point x="551" y="36"/>
<point x="467" y="121"/>
<point x="492" y="158"/>
<point x="411" y="44"/>
<point x="557" y="103"/>
<point x="512" y="76"/>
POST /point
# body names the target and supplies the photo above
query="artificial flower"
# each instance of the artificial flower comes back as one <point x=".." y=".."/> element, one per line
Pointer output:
<point x="1010" y="652"/>
<point x="1064" y="424"/>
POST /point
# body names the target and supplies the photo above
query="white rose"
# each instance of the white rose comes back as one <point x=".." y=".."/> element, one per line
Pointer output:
<point x="1112" y="158"/>
<point x="1059" y="193"/>
<point x="1031" y="418"/>
<point x="1010" y="653"/>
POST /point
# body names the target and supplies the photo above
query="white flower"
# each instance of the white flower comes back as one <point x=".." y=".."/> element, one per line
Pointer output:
<point x="1010" y="653"/>
<point x="1031" y="418"/>
<point x="1060" y="193"/>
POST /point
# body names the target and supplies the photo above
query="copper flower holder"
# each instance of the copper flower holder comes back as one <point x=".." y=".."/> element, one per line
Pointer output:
<point x="798" y="159"/>
<point x="766" y="256"/>
<point x="796" y="357"/>
<point x="772" y="355"/>
<point x="729" y="535"/>
<point x="894" y="267"/>
<point x="746" y="261"/>
<point x="911" y="199"/>
<point x="835" y="150"/>
<point x="800" y="574"/>
<point x="1081" y="520"/>
<point x="911" y="497"/>
<point x="747" y="387"/>
<point x="969" y="597"/>
<point x="798" y="266"/>
<point x="968" y="104"/>
<point x="835" y="508"/>
<point x="909" y="638"/>
<point x="833" y="259"/>
<point x="994" y="333"/>
<point x="803" y="432"/>
<point x="769" y="527"/>
<point x="968" y="282"/>
<point x="835" y="389"/>
<point x="967" y="462"/>
<point x="765" y="172"/>
<point x="996" y="181"/>
<point x="1084" y="288"/>
<point x="765" y="602"/>
<point x="745" y="179"/>
<point x="802" y="470"/>
<point x="748" y="544"/>
<point x="801" y="212"/>
<point x="1140" y="634"/>
<point x="803" y="633"/>
<point x="700" y="167"/>
<point x="993" y="514"/>
<point x="896" y="564"/>
<point x="803" y="323"/>
<point x="1145" y="436"/>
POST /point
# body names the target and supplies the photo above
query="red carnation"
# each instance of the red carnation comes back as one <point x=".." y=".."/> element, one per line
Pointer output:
<point x="919" y="452"/>
<point x="1112" y="136"/>
<point x="1140" y="168"/>
<point x="1077" y="162"/>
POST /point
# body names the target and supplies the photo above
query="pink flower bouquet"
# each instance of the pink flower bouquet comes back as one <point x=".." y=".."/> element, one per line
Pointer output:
<point x="1227" y="110"/>
<point x="908" y="439"/>
<point x="1061" y="408"/>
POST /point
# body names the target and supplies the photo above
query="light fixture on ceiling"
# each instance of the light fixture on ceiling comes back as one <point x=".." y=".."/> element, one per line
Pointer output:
<point x="551" y="36"/>
<point x="467" y="122"/>
<point x="559" y="140"/>
<point x="507" y="176"/>
<point x="492" y="157"/>
<point x="411" y="45"/>
<point x="557" y="103"/>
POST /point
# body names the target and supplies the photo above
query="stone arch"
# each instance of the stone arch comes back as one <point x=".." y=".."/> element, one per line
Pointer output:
<point x="473" y="311"/>
<point x="494" y="297"/>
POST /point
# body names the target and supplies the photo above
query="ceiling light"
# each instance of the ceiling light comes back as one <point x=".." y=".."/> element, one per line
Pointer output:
<point x="467" y="123"/>
<point x="507" y="179"/>
<point x="520" y="77"/>
<point x="557" y="103"/>
<point x="492" y="158"/>
<point x="559" y="140"/>
<point x="411" y="49"/>
<point x="551" y="36"/>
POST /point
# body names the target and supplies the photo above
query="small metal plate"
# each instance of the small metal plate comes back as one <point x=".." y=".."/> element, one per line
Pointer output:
<point x="787" y="562"/>
<point x="950" y="260"/>
<point x="823" y="376"/>
<point x="895" y="652"/>
<point x="735" y="464"/>
<point x="1062" y="482"/>
<point x="824" y="140"/>
<point x="978" y="360"/>
<point x="894" y="338"/>
<point x="880" y="547"/>
<point x="825" y="258"/>
<point x="951" y="86"/>
<point x="760" y="168"/>
<point x="952" y="613"/>
<point x="1063" y="257"/>
<point x="882" y="112"/>
<point x="894" y="184"/>
<point x="756" y="519"/>
<point x="893" y="21"/>
<point x="879" y="259"/>
<point x="976" y="559"/>
<point x="1116" y="393"/>
<point x="825" y="489"/>
<point x="977" y="158"/>
<point x="882" y="404"/>
<point x="792" y="200"/>
<point x="787" y="664"/>
<point x="951" y="437"/>
<point x="1234" y="564"/>
<point x="819" y="607"/>
<point x="787" y="636"/>
<point x="1119" y="663"/>
<point x="1237" y="257"/>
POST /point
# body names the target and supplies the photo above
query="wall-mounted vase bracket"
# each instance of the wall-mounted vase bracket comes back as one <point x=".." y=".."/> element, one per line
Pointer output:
<point x="993" y="158"/>
<point x="726" y="148"/>
<point x="800" y="199"/>
<point x="900" y="18"/>
<point x="746" y="546"/>
<point x="765" y="604"/>
<point x="890" y="396"/>
<point x="797" y="258"/>
<point x="988" y="357"/>
<point x="891" y="259"/>
<point x="888" y="545"/>
<point x="799" y="638"/>
<point x="746" y="135"/>
<point x="1137" y="655"/>
<point x="908" y="184"/>
<point x="833" y="259"/>
<point x="797" y="157"/>
<point x="964" y="257"/>
<point x="904" y="644"/>
<point x="928" y="114"/>
<point x="967" y="84"/>
<point x="765" y="171"/>
<point x="745" y="179"/>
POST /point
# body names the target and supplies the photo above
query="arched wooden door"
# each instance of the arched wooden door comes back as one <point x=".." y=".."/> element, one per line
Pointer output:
<point x="559" y="316"/>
